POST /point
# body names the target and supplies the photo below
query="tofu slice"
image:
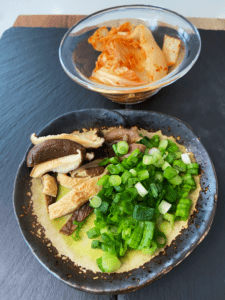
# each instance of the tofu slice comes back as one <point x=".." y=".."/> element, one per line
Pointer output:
<point x="75" y="198"/>
<point x="69" y="182"/>
<point x="50" y="187"/>
<point x="171" y="48"/>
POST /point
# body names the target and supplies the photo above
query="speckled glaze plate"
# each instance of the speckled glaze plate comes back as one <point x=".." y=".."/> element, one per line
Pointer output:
<point x="182" y="246"/>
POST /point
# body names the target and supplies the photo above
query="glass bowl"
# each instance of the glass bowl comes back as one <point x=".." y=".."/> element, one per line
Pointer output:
<point x="78" y="57"/>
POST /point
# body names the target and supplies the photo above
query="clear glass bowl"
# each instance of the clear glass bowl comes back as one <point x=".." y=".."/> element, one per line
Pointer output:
<point x="78" y="57"/>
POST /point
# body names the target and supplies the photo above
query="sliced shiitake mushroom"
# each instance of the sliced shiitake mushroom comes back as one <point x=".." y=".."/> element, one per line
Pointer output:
<point x="90" y="169"/>
<point x="132" y="147"/>
<point x="52" y="149"/>
<point x="89" y="139"/>
<point x="60" y="165"/>
<point x="79" y="215"/>
<point x="120" y="134"/>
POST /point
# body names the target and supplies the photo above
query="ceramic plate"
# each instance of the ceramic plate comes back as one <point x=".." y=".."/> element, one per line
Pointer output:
<point x="199" y="223"/>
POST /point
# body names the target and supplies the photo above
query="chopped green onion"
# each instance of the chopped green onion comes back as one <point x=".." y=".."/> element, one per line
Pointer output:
<point x="176" y="180"/>
<point x="104" y="162"/>
<point x="169" y="173"/>
<point x="110" y="263"/>
<point x="143" y="174"/>
<point x="158" y="176"/>
<point x="163" y="145"/>
<point x="193" y="166"/>
<point x="95" y="201"/>
<point x="122" y="148"/>
<point x="183" y="208"/>
<point x="99" y="263"/>
<point x="108" y="191"/>
<point x="160" y="238"/>
<point x="123" y="249"/>
<point x="133" y="172"/>
<point x="125" y="164"/>
<point x="147" y="235"/>
<point x="141" y="190"/>
<point x="150" y="250"/>
<point x="114" y="146"/>
<point x="117" y="198"/>
<point x="149" y="159"/>
<point x="179" y="165"/>
<point x="165" y="165"/>
<point x="96" y="244"/>
<point x="154" y="190"/>
<point x="193" y="171"/>
<point x="136" y="236"/>
<point x="171" y="194"/>
<point x="164" y="207"/>
<point x="114" y="180"/>
<point x="186" y="159"/>
<point x="125" y="176"/>
<point x="188" y="179"/>
<point x="93" y="233"/>
<point x="119" y="188"/>
<point x="129" y="194"/>
<point x="114" y="160"/>
<point x="103" y="180"/>
<point x="76" y="235"/>
<point x="104" y="207"/>
<point x="170" y="157"/>
<point x="115" y="169"/>
<point x="165" y="227"/>
<point x="172" y="147"/>
<point x="170" y="218"/>
<point x="143" y="213"/>
<point x="146" y="141"/>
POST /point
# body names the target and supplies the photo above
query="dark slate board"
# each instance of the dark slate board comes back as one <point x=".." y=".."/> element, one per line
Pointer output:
<point x="34" y="89"/>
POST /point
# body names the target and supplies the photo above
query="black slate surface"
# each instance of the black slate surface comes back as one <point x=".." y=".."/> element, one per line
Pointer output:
<point x="34" y="89"/>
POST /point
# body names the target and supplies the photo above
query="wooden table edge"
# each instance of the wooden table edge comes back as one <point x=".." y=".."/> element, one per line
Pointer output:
<point x="66" y="21"/>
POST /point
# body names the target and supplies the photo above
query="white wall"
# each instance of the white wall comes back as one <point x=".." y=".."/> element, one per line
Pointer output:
<point x="10" y="9"/>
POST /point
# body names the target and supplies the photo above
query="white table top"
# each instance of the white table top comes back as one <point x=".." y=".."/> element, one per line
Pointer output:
<point x="10" y="9"/>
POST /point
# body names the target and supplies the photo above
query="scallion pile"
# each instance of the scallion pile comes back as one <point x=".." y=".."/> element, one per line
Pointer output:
<point x="142" y="196"/>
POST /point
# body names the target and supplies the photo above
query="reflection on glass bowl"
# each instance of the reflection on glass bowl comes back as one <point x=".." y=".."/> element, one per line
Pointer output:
<point x="78" y="57"/>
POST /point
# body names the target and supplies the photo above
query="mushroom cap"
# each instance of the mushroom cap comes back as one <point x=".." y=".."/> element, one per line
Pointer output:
<point x="132" y="147"/>
<point x="52" y="149"/>
<point x="60" y="165"/>
<point x="118" y="134"/>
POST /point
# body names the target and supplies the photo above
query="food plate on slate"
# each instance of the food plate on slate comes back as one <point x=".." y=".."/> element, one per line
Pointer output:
<point x="117" y="283"/>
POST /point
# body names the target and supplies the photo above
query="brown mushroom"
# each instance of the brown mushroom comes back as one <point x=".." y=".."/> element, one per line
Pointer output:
<point x="49" y="200"/>
<point x="90" y="169"/>
<point x="60" y="165"/>
<point x="89" y="139"/>
<point x="79" y="215"/>
<point x="132" y="147"/>
<point x="52" y="149"/>
<point x="120" y="134"/>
